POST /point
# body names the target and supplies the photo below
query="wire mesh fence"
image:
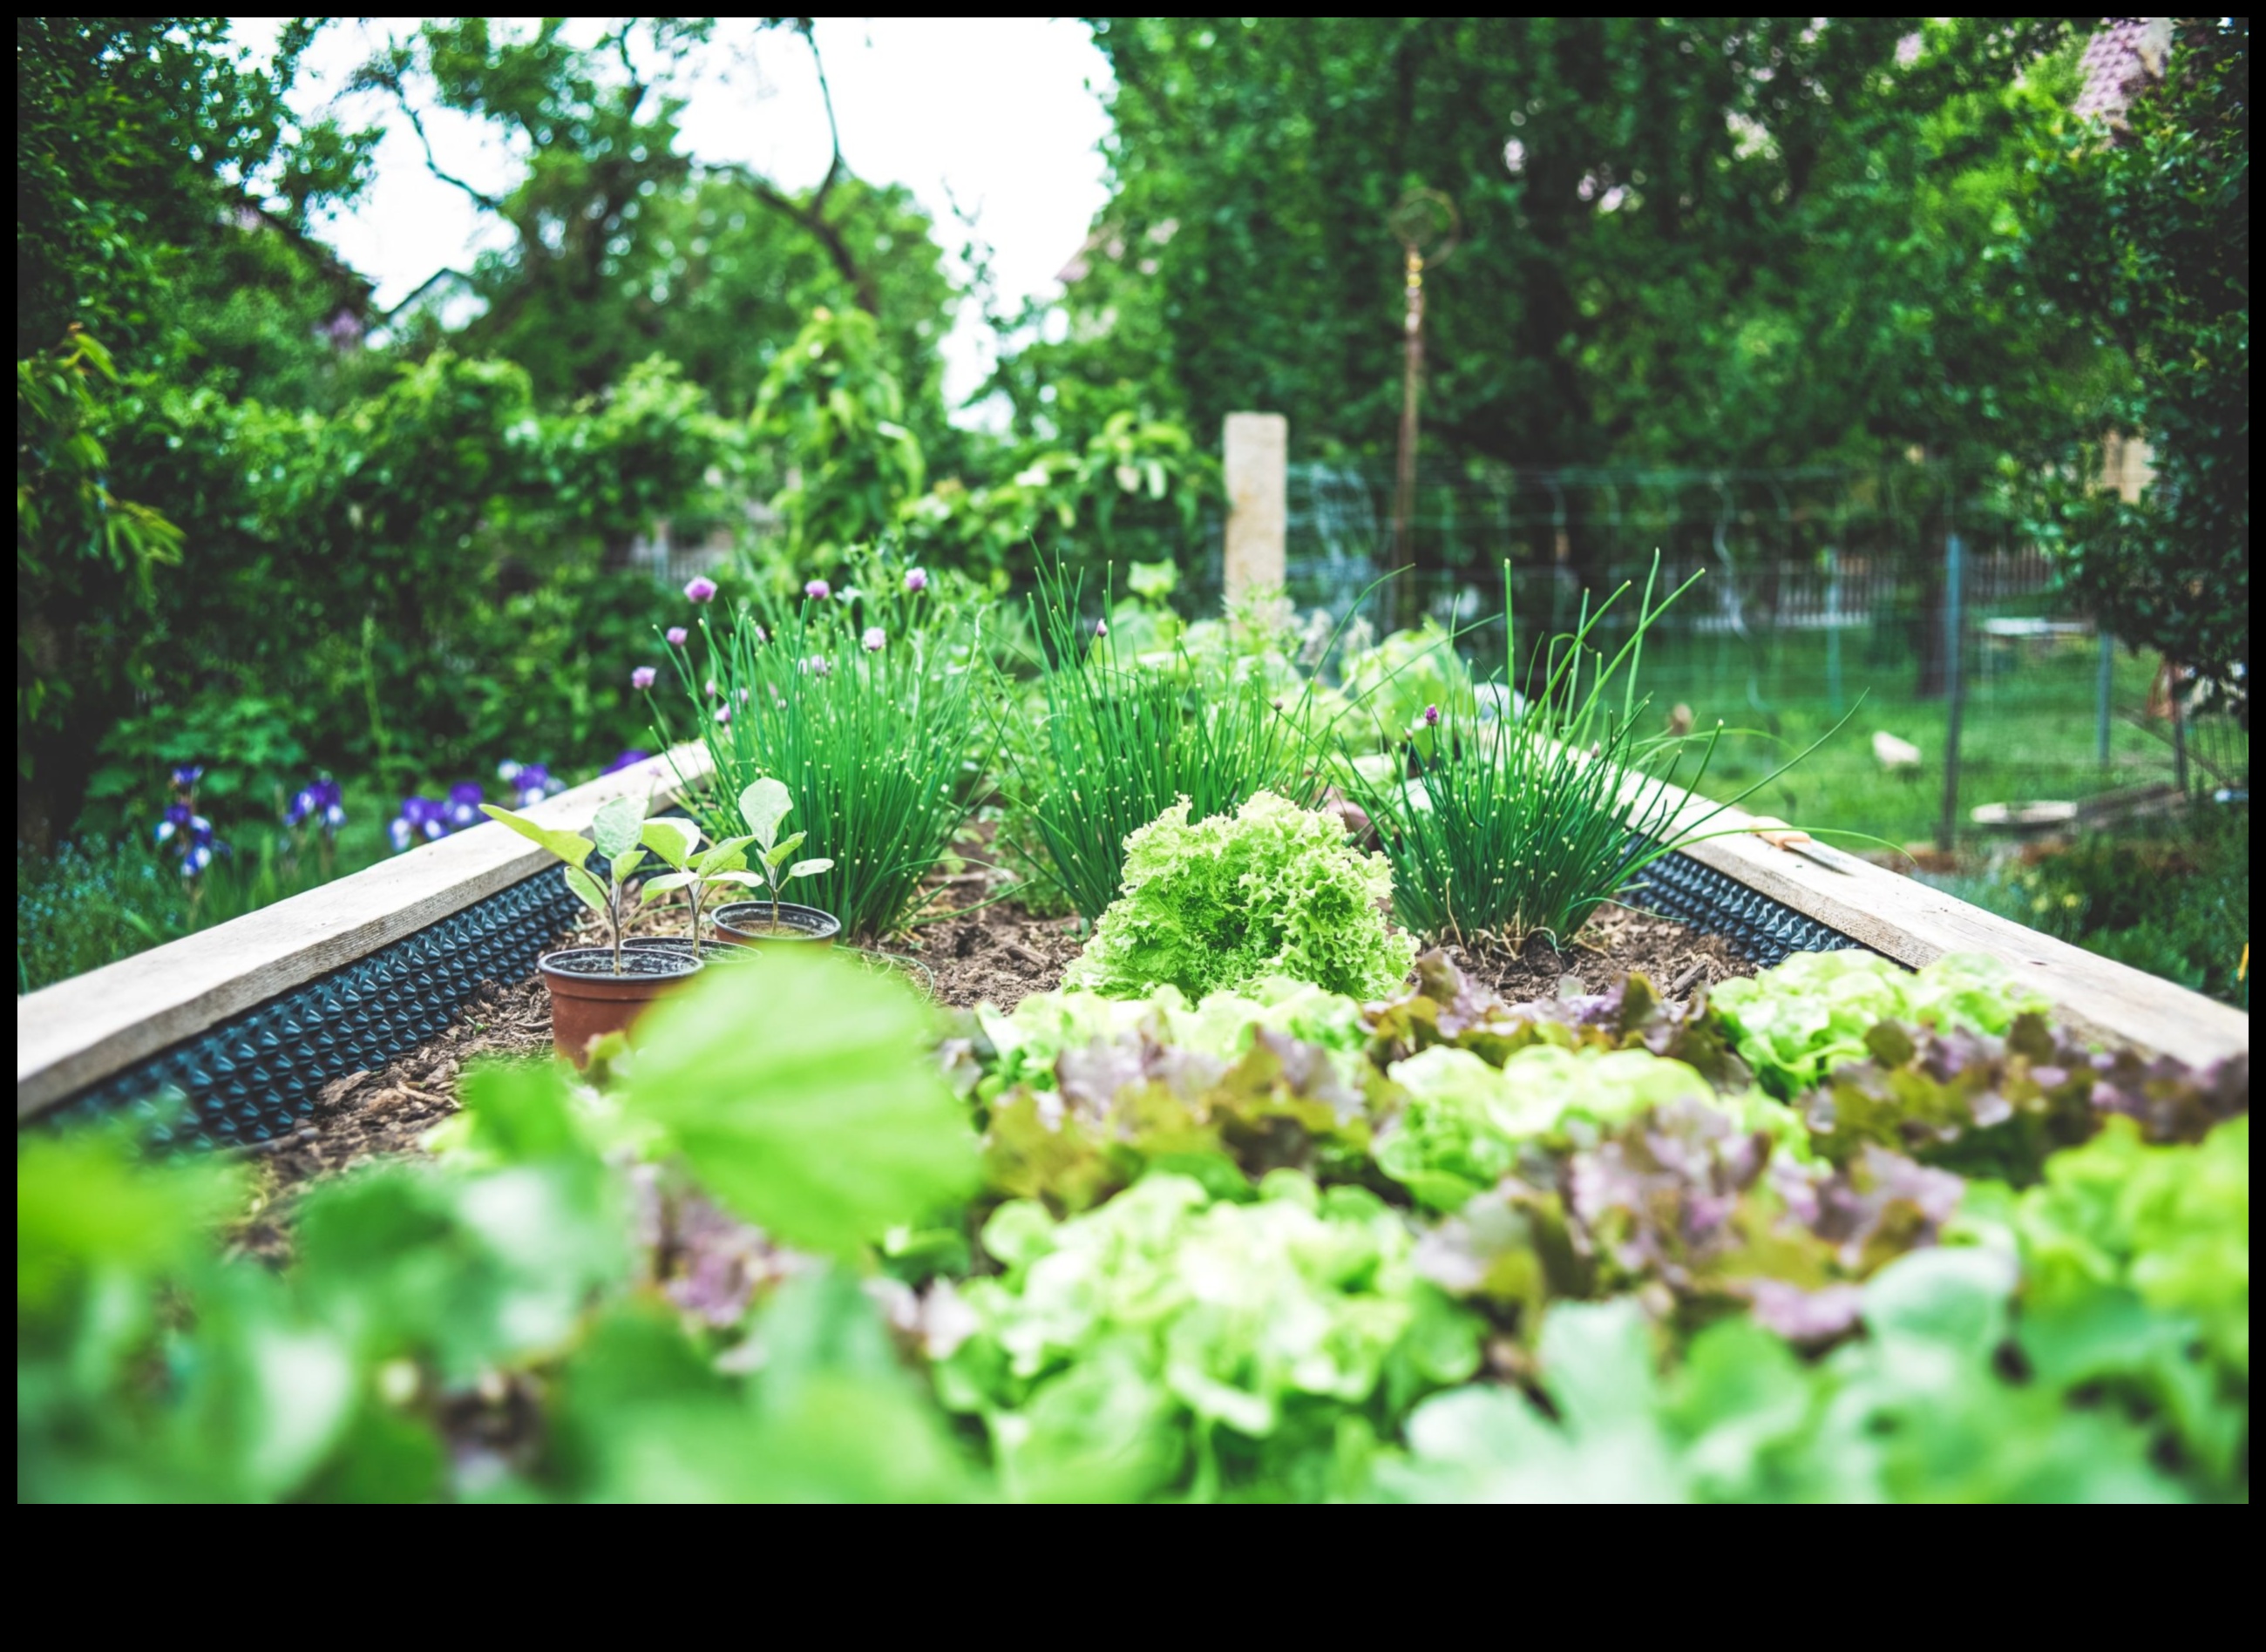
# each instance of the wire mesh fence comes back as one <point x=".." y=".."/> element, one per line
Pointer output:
<point x="1897" y="604"/>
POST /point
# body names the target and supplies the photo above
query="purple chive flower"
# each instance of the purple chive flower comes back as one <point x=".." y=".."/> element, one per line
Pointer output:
<point x="676" y="636"/>
<point x="817" y="590"/>
<point x="723" y="714"/>
<point x="189" y="774"/>
<point x="700" y="589"/>
<point x="1100" y="628"/>
<point x="641" y="678"/>
<point x="176" y="816"/>
<point x="629" y="759"/>
<point x="874" y="639"/>
<point x="818" y="665"/>
<point x="760" y="634"/>
<point x="713" y="691"/>
<point x="916" y="580"/>
<point x="1431" y="717"/>
<point x="463" y="809"/>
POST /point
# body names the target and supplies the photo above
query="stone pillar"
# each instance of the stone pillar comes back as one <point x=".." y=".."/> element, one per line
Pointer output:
<point x="1258" y="457"/>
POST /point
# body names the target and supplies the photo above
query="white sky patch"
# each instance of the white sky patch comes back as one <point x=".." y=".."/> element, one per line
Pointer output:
<point x="1004" y="115"/>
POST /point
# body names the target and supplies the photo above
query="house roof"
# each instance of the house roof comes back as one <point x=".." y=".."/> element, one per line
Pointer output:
<point x="2122" y="55"/>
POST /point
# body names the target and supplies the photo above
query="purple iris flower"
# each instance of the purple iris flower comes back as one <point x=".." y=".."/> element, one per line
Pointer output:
<point x="817" y="590"/>
<point x="320" y="801"/>
<point x="916" y="580"/>
<point x="189" y="774"/>
<point x="464" y="806"/>
<point x="196" y="835"/>
<point x="629" y="759"/>
<point x="532" y="783"/>
<point x="176" y="816"/>
<point x="641" y="678"/>
<point x="700" y="589"/>
<point x="422" y="819"/>
<point x="676" y="635"/>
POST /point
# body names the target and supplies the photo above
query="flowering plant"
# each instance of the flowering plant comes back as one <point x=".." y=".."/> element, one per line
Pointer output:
<point x="182" y="827"/>
<point x="320" y="803"/>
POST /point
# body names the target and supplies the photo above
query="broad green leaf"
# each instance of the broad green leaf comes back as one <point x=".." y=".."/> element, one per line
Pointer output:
<point x="787" y="847"/>
<point x="809" y="868"/>
<point x="615" y="827"/>
<point x="672" y="839"/>
<point x="832" y="1127"/>
<point x="747" y="876"/>
<point x="585" y="888"/>
<point x="724" y="856"/>
<point x="764" y="805"/>
<point x="625" y="867"/>
<point x="655" y="888"/>
<point x="571" y="847"/>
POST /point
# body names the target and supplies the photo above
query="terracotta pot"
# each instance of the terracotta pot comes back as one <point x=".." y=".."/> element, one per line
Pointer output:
<point x="809" y="926"/>
<point x="589" y="1000"/>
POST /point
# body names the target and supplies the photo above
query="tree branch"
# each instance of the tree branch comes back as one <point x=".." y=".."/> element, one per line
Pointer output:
<point x="813" y="222"/>
<point x="833" y="132"/>
<point x="432" y="163"/>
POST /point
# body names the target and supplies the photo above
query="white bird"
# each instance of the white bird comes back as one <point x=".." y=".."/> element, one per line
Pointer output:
<point x="1895" y="754"/>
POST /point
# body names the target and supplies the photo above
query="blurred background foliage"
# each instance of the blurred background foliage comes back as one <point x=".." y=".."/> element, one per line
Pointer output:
<point x="267" y="524"/>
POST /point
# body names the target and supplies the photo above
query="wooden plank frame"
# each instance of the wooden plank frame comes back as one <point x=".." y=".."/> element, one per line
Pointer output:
<point x="80" y="1031"/>
<point x="1907" y="920"/>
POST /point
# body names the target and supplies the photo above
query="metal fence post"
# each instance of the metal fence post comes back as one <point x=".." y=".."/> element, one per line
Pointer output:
<point x="1955" y="684"/>
<point x="2101" y="697"/>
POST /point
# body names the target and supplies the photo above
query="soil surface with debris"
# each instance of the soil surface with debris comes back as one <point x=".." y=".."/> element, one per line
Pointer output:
<point x="969" y="948"/>
<point x="1615" y="942"/>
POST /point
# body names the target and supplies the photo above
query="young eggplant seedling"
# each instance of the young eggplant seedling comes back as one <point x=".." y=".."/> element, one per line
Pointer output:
<point x="674" y="841"/>
<point x="764" y="807"/>
<point x="614" y="833"/>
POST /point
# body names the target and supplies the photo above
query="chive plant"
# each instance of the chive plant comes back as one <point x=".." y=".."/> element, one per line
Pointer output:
<point x="1526" y="823"/>
<point x="865" y="710"/>
<point x="1117" y="744"/>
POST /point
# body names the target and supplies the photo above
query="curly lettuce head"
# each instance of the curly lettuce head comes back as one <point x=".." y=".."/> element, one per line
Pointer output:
<point x="1221" y="904"/>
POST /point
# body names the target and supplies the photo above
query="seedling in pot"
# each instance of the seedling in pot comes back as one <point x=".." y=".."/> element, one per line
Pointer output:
<point x="764" y="807"/>
<point x="673" y="842"/>
<point x="613" y="834"/>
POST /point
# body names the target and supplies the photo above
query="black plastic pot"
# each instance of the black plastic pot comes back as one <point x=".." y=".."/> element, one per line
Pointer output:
<point x="749" y="924"/>
<point x="681" y="946"/>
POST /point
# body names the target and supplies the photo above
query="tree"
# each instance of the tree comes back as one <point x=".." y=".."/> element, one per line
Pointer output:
<point x="1703" y="242"/>
<point x="2144" y="231"/>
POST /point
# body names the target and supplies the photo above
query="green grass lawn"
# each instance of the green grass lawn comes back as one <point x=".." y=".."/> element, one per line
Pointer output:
<point x="2029" y="728"/>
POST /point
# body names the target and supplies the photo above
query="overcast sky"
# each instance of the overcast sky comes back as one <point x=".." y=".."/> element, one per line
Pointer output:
<point x="1003" y="113"/>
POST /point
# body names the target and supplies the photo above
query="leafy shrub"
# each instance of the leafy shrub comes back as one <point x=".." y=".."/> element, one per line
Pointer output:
<point x="1227" y="902"/>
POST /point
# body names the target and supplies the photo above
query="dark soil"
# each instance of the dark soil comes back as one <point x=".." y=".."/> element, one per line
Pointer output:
<point x="1613" y="943"/>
